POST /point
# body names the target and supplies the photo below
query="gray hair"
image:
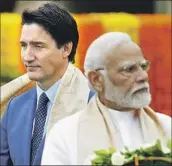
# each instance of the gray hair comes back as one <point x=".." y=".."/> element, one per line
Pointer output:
<point x="96" y="53"/>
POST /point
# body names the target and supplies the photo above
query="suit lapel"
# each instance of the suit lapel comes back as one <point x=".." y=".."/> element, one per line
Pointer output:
<point x="26" y="132"/>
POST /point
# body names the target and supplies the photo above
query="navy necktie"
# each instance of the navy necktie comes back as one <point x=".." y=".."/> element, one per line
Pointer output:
<point x="40" y="118"/>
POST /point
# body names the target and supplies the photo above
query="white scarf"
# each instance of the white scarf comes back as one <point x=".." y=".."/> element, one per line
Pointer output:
<point x="72" y="95"/>
<point x="96" y="129"/>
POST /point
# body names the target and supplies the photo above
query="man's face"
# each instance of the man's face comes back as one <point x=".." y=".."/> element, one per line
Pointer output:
<point x="126" y="79"/>
<point x="40" y="55"/>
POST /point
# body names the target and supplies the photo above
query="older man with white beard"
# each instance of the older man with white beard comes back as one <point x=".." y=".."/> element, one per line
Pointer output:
<point x="118" y="115"/>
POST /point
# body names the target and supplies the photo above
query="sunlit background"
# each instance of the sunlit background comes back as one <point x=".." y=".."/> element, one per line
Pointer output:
<point x="147" y="21"/>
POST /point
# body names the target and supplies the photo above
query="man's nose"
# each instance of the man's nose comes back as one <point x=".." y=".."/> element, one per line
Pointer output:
<point x="28" y="55"/>
<point x="142" y="76"/>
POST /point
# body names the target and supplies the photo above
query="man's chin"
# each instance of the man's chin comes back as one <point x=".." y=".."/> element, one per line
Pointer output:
<point x="33" y="76"/>
<point x="141" y="102"/>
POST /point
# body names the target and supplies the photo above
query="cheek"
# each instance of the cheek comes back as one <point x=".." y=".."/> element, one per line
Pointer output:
<point x="128" y="85"/>
<point x="22" y="56"/>
<point x="123" y="83"/>
<point x="44" y="62"/>
<point x="47" y="64"/>
<point x="51" y="65"/>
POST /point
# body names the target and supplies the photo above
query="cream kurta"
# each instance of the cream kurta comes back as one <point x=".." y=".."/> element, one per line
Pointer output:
<point x="74" y="138"/>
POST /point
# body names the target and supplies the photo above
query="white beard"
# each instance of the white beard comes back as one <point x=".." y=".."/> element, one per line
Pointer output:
<point x="127" y="100"/>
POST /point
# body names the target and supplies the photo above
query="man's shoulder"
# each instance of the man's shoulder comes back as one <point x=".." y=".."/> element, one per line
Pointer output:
<point x="163" y="117"/>
<point x="18" y="107"/>
<point x="22" y="99"/>
<point x="24" y="95"/>
<point x="166" y="123"/>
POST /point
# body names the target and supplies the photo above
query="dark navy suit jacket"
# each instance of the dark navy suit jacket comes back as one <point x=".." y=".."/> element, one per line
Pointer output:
<point x="16" y="130"/>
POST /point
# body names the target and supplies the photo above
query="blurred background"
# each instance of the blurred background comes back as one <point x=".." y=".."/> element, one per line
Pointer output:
<point x="147" y="21"/>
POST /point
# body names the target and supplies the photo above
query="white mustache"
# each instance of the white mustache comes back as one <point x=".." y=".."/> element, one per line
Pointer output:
<point x="145" y="85"/>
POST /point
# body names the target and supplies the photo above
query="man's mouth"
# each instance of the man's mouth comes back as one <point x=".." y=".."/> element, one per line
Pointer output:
<point x="142" y="90"/>
<point x="31" y="68"/>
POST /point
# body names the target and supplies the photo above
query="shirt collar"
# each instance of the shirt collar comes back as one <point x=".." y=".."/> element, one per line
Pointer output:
<point x="51" y="92"/>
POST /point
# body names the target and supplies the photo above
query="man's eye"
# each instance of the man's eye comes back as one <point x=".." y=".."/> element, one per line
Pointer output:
<point x="38" y="46"/>
<point x="23" y="45"/>
<point x="130" y="69"/>
<point x="145" y="66"/>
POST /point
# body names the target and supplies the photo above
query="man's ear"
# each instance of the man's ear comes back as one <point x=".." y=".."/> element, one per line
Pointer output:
<point x="96" y="80"/>
<point x="67" y="49"/>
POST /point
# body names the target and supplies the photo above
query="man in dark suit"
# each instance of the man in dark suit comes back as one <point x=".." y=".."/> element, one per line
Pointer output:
<point x="49" y="41"/>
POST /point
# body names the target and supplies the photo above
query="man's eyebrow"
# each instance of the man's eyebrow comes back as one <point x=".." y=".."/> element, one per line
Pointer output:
<point x="132" y="63"/>
<point x="22" y="42"/>
<point x="33" y="42"/>
<point x="144" y="61"/>
<point x="36" y="42"/>
<point x="123" y="64"/>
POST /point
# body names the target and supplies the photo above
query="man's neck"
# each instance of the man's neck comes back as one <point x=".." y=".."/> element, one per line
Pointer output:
<point x="46" y="85"/>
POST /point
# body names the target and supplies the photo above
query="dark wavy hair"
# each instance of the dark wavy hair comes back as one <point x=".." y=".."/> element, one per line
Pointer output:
<point x="58" y="22"/>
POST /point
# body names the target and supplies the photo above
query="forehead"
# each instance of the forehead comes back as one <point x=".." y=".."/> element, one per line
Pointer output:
<point x="34" y="32"/>
<point x="124" y="54"/>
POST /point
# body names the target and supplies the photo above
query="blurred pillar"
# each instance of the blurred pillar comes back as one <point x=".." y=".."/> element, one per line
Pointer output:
<point x="10" y="46"/>
<point x="168" y="6"/>
<point x="163" y="6"/>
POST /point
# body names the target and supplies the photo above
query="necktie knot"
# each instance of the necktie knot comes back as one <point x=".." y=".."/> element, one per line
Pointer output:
<point x="43" y="99"/>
